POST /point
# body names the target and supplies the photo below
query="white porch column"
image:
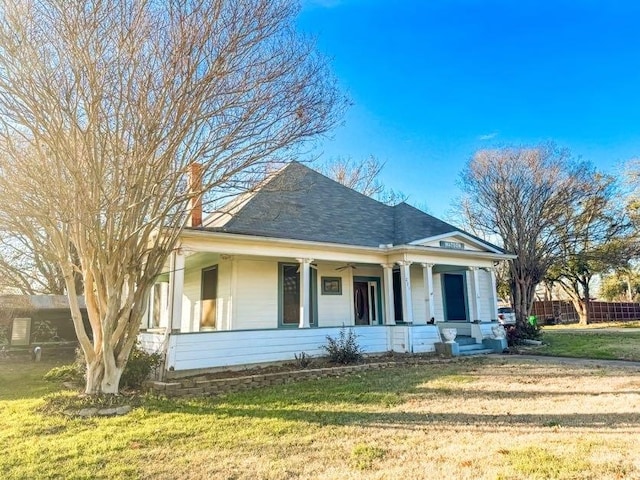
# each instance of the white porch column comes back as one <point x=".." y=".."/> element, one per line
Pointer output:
<point x="305" y="300"/>
<point x="389" y="312"/>
<point x="427" y="273"/>
<point x="494" y="294"/>
<point x="176" y="287"/>
<point x="405" y="279"/>
<point x="475" y="294"/>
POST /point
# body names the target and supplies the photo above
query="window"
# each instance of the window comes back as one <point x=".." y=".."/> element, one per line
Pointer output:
<point x="290" y="295"/>
<point x="289" y="301"/>
<point x="397" y="296"/>
<point x="209" y="297"/>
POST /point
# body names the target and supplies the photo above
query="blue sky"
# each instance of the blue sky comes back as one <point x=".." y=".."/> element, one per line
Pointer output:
<point x="434" y="80"/>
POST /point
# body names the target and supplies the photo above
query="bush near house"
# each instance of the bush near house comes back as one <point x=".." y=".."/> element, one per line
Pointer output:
<point x="344" y="349"/>
<point x="523" y="331"/>
<point x="139" y="367"/>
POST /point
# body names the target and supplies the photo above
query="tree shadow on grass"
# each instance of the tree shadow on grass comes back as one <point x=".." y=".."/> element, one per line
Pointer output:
<point x="597" y="422"/>
<point x="374" y="398"/>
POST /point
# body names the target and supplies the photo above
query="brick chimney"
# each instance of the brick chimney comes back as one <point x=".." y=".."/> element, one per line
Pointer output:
<point x="195" y="204"/>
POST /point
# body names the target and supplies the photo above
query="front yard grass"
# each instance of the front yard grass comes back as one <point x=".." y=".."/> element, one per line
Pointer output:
<point x="592" y="343"/>
<point x="472" y="418"/>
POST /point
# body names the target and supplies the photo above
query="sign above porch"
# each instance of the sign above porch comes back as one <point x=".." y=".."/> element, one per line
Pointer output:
<point x="452" y="245"/>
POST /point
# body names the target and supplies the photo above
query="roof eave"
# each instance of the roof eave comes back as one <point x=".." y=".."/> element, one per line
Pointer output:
<point x="387" y="249"/>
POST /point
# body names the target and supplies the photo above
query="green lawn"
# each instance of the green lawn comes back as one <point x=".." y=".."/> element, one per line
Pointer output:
<point x="476" y="418"/>
<point x="591" y="343"/>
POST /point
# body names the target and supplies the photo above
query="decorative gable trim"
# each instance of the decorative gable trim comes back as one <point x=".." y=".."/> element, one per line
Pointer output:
<point x="457" y="234"/>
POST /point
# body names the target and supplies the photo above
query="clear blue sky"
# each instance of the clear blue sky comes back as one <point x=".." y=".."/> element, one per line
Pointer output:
<point x="434" y="80"/>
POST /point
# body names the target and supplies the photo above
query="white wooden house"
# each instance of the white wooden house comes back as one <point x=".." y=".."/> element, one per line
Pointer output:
<point x="279" y="269"/>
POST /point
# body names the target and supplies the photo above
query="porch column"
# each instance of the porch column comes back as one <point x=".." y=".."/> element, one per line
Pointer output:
<point x="305" y="300"/>
<point x="427" y="272"/>
<point x="389" y="312"/>
<point x="475" y="294"/>
<point x="494" y="294"/>
<point x="405" y="279"/>
<point x="176" y="287"/>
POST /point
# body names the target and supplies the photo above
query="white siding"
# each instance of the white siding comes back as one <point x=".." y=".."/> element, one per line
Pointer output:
<point x="256" y="295"/>
<point x="438" y="298"/>
<point x="423" y="338"/>
<point x="361" y="271"/>
<point x="418" y="295"/>
<point x="400" y="339"/>
<point x="191" y="301"/>
<point x="151" y="342"/>
<point x="224" y="349"/>
<point x="334" y="310"/>
<point x="487" y="312"/>
<point x="224" y="304"/>
<point x="192" y="294"/>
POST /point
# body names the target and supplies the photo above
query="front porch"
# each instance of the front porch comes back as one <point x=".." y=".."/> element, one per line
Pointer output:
<point x="234" y="308"/>
<point x="205" y="291"/>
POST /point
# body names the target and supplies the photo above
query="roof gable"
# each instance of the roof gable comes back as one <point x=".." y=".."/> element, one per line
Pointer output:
<point x="457" y="240"/>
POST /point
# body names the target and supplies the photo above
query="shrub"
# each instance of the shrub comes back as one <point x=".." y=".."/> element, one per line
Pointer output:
<point x="522" y="331"/>
<point x="137" y="370"/>
<point x="303" y="360"/>
<point x="66" y="373"/>
<point x="139" y="367"/>
<point x="4" y="335"/>
<point x="344" y="349"/>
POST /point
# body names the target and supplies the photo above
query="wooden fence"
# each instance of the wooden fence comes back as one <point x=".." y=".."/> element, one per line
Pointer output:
<point x="560" y="311"/>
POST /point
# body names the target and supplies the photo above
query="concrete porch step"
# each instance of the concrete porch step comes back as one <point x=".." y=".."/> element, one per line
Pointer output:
<point x="475" y="349"/>
<point x="465" y="340"/>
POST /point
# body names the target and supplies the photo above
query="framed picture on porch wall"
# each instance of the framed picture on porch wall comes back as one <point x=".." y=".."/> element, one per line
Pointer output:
<point x="331" y="285"/>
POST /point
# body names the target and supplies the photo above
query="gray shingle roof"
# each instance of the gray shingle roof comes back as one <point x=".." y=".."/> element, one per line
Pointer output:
<point x="300" y="203"/>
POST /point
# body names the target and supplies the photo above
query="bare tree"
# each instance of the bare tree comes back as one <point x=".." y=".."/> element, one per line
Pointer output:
<point x="521" y="195"/>
<point x="106" y="105"/>
<point x="596" y="236"/>
<point x="24" y="267"/>
<point x="362" y="176"/>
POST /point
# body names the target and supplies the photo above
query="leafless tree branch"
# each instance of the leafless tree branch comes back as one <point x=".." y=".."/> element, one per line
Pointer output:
<point x="105" y="104"/>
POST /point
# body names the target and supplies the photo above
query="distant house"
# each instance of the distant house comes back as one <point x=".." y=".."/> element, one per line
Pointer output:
<point x="27" y="319"/>
<point x="277" y="270"/>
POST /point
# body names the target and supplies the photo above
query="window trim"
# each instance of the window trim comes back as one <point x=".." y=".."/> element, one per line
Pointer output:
<point x="202" y="299"/>
<point x="313" y="297"/>
<point x="381" y="313"/>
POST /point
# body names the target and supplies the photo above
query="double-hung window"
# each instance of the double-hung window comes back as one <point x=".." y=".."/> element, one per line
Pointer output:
<point x="289" y="295"/>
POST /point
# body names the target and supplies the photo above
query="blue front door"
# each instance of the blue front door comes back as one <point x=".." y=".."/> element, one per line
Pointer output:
<point x="455" y="298"/>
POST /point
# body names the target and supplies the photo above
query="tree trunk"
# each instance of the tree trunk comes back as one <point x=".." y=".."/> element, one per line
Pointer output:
<point x="522" y="299"/>
<point x="581" y="310"/>
<point x="101" y="380"/>
<point x="585" y="317"/>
